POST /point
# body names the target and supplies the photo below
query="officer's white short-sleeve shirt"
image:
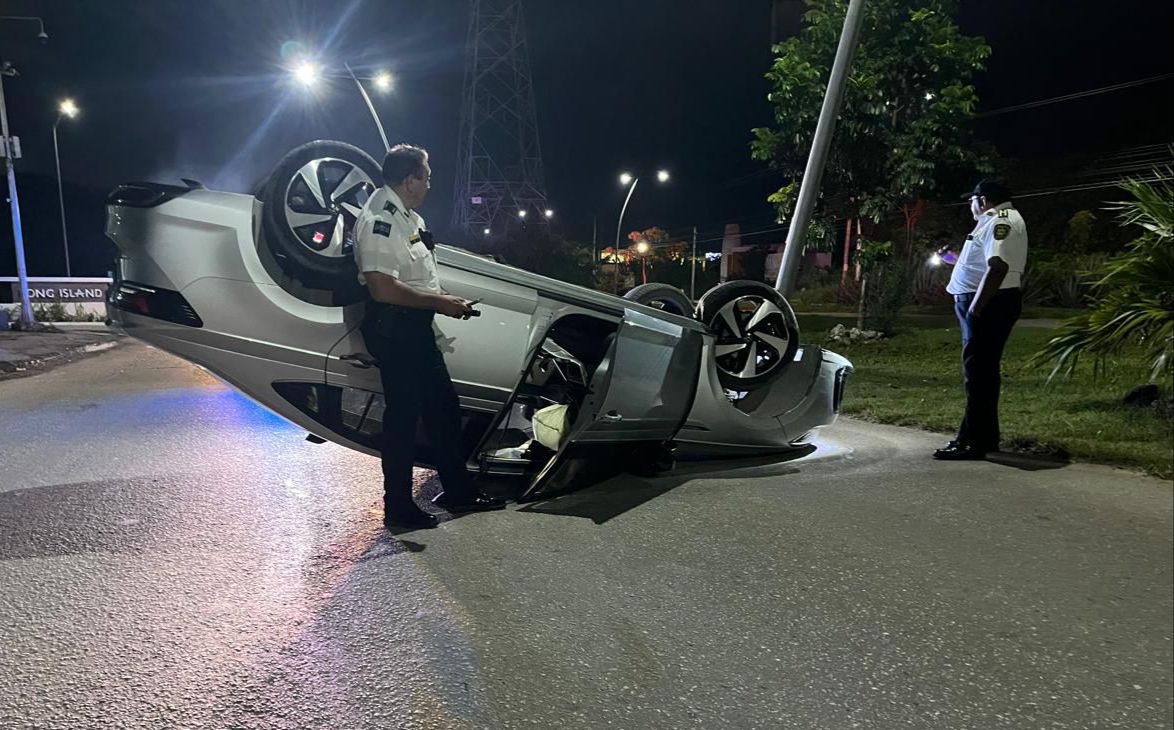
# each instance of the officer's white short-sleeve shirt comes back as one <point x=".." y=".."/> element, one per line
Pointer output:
<point x="388" y="240"/>
<point x="1000" y="232"/>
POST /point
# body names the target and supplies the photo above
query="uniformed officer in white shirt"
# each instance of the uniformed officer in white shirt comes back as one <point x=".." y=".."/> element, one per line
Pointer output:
<point x="397" y="264"/>
<point x="987" y="300"/>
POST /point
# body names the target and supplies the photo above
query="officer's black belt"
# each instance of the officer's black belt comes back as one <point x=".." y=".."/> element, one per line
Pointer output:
<point x="971" y="294"/>
<point x="396" y="312"/>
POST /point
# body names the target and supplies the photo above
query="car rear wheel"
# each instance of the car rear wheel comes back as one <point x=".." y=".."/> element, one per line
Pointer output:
<point x="311" y="202"/>
<point x="757" y="334"/>
<point x="662" y="296"/>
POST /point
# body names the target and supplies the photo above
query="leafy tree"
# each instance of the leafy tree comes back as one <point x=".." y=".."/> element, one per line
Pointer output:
<point x="537" y="249"/>
<point x="902" y="133"/>
<point x="1134" y="296"/>
<point x="1081" y="231"/>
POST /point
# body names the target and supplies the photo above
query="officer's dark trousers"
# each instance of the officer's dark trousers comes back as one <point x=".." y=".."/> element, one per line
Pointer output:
<point x="416" y="386"/>
<point x="983" y="339"/>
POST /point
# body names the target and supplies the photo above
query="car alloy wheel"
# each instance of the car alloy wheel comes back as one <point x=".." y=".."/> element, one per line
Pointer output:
<point x="322" y="201"/>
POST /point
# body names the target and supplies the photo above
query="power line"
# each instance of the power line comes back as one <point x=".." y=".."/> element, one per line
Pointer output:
<point x="1076" y="95"/>
<point x="1090" y="186"/>
<point x="1039" y="192"/>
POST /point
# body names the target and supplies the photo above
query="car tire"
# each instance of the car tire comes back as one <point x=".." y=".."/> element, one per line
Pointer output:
<point x="311" y="202"/>
<point x="662" y="296"/>
<point x="749" y="319"/>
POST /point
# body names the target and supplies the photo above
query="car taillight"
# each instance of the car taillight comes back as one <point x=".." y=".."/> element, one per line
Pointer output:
<point x="838" y="389"/>
<point x="153" y="301"/>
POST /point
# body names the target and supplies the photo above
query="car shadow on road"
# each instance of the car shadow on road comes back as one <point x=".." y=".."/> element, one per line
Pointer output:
<point x="613" y="497"/>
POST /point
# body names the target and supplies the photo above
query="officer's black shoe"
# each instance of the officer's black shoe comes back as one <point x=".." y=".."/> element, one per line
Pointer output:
<point x="411" y="518"/>
<point x="476" y="502"/>
<point x="955" y="451"/>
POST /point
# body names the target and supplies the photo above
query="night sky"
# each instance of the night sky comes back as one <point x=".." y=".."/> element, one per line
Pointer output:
<point x="195" y="88"/>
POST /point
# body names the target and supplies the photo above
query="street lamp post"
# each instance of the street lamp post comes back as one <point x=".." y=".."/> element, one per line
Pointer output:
<point x="70" y="110"/>
<point x="625" y="179"/>
<point x="308" y="73"/>
<point x="6" y="146"/>
<point x="383" y="83"/>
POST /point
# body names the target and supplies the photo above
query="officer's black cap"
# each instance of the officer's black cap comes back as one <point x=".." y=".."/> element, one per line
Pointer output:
<point x="990" y="189"/>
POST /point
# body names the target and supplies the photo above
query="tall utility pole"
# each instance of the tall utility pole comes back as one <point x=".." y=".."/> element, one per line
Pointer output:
<point x="693" y="268"/>
<point x="7" y="147"/>
<point x="26" y="306"/>
<point x="594" y="244"/>
<point x="817" y="157"/>
<point x="499" y="160"/>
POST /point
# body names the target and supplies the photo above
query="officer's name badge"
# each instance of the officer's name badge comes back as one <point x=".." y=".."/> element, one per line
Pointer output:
<point x="382" y="228"/>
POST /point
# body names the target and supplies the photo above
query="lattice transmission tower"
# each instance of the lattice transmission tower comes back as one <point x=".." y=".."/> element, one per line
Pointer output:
<point x="499" y="160"/>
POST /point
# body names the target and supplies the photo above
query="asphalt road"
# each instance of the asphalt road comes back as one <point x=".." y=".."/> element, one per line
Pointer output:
<point x="173" y="556"/>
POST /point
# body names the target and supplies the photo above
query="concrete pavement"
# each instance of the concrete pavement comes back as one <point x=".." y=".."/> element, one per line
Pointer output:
<point x="23" y="353"/>
<point x="171" y="555"/>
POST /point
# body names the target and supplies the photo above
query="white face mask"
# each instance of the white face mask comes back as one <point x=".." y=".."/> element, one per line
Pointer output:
<point x="975" y="208"/>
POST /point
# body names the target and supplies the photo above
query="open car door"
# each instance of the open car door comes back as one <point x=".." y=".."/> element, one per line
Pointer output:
<point x="636" y="401"/>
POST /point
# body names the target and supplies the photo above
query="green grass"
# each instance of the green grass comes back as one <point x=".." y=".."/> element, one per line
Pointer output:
<point x="915" y="379"/>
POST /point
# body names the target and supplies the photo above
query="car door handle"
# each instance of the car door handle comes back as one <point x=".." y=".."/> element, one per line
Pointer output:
<point x="360" y="360"/>
<point x="612" y="417"/>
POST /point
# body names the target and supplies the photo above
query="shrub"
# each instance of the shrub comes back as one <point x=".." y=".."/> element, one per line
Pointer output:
<point x="1134" y="300"/>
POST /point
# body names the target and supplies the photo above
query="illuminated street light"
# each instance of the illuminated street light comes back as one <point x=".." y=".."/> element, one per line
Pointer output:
<point x="642" y="248"/>
<point x="662" y="175"/>
<point x="383" y="81"/>
<point x="625" y="178"/>
<point x="68" y="108"/>
<point x="307" y="73"/>
<point x="486" y="231"/>
<point x="521" y="213"/>
<point x="548" y="213"/>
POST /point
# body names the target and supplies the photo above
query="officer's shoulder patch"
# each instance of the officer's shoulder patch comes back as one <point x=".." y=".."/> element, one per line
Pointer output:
<point x="390" y="207"/>
<point x="382" y="228"/>
<point x="1002" y="230"/>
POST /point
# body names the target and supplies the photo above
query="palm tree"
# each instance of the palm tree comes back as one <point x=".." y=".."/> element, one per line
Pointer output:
<point x="1135" y="292"/>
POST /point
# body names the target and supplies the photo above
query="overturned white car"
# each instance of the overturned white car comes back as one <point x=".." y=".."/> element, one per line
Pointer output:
<point x="262" y="292"/>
